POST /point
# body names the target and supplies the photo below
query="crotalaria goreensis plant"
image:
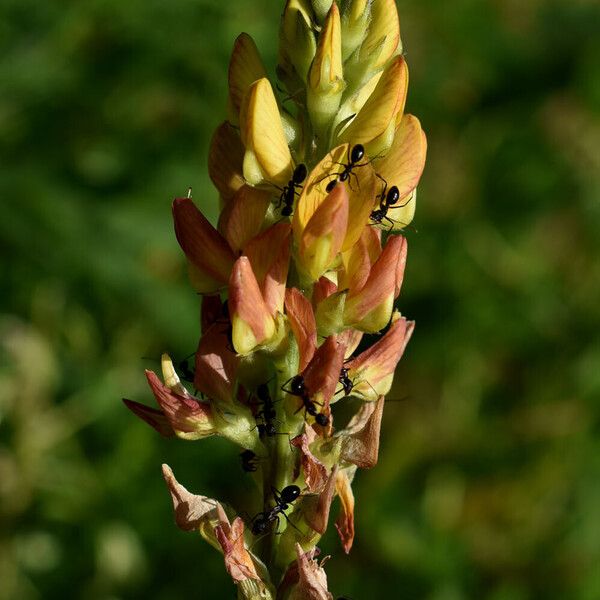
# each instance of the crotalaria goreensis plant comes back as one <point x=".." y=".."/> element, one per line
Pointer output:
<point x="317" y="178"/>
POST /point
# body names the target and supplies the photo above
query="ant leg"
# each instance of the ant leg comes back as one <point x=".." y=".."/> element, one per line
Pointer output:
<point x="292" y="524"/>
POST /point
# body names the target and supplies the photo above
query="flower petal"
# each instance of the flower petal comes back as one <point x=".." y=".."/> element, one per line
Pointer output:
<point x="243" y="216"/>
<point x="370" y="308"/>
<point x="252" y="323"/>
<point x="382" y="107"/>
<point x="312" y="580"/>
<point x="226" y="160"/>
<point x="359" y="260"/>
<point x="324" y="233"/>
<point x="345" y="521"/>
<point x="203" y="245"/>
<point x="267" y="156"/>
<point x="316" y="508"/>
<point x="373" y="370"/>
<point x="361" y="448"/>
<point x="303" y="324"/>
<point x="190" y="419"/>
<point x="245" y="67"/>
<point x="361" y="190"/>
<point x="315" y="473"/>
<point x="269" y="255"/>
<point x="384" y="33"/>
<point x="238" y="561"/>
<point x="155" y="418"/>
<point x="216" y="364"/>
<point x="191" y="511"/>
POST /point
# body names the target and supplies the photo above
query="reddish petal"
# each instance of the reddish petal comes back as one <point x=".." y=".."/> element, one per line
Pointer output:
<point x="269" y="255"/>
<point x="203" y="245"/>
<point x="216" y="364"/>
<point x="243" y="216"/>
<point x="361" y="447"/>
<point x="315" y="473"/>
<point x="345" y="521"/>
<point x="250" y="316"/>
<point x="323" y="372"/>
<point x="303" y="324"/>
<point x="225" y="160"/>
<point x="316" y="511"/>
<point x="154" y="418"/>
<point x="188" y="417"/>
<point x="322" y="290"/>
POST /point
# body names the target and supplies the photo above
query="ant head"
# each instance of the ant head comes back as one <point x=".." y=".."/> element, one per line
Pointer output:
<point x="321" y="419"/>
<point x="331" y="185"/>
<point x="297" y="385"/>
<point x="289" y="493"/>
<point x="300" y="173"/>
<point x="262" y="391"/>
<point x="393" y="196"/>
<point x="357" y="153"/>
<point x="343" y="372"/>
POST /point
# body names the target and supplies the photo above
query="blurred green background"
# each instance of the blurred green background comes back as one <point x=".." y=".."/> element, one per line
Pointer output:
<point x="488" y="485"/>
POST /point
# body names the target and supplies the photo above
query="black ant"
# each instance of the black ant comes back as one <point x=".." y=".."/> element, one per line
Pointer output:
<point x="262" y="522"/>
<point x="347" y="383"/>
<point x="298" y="388"/>
<point x="186" y="372"/>
<point x="267" y="413"/>
<point x="249" y="462"/>
<point x="387" y="200"/>
<point x="355" y="156"/>
<point x="288" y="193"/>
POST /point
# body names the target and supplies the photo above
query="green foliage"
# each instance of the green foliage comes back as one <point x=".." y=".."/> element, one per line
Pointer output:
<point x="488" y="482"/>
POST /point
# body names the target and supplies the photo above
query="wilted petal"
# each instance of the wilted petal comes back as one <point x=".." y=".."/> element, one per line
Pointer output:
<point x="324" y="233"/>
<point x="370" y="308"/>
<point x="303" y="324"/>
<point x="315" y="473"/>
<point x="216" y="364"/>
<point x="267" y="157"/>
<point x="269" y="255"/>
<point x="252" y="323"/>
<point x="245" y="67"/>
<point x="345" y="521"/>
<point x="192" y="512"/>
<point x="190" y="419"/>
<point x="203" y="245"/>
<point x="383" y="106"/>
<point x="316" y="508"/>
<point x="225" y="160"/>
<point x="361" y="447"/>
<point x="312" y="580"/>
<point x="238" y="562"/>
<point x="243" y="216"/>
<point x="155" y="418"/>
<point x="373" y="370"/>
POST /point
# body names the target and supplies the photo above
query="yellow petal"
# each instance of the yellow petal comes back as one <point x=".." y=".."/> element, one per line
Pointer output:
<point x="245" y="67"/>
<point x="267" y="155"/>
<point x="326" y="77"/>
<point x="383" y="106"/>
<point x="324" y="234"/>
<point x="384" y="33"/>
<point x="361" y="193"/>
